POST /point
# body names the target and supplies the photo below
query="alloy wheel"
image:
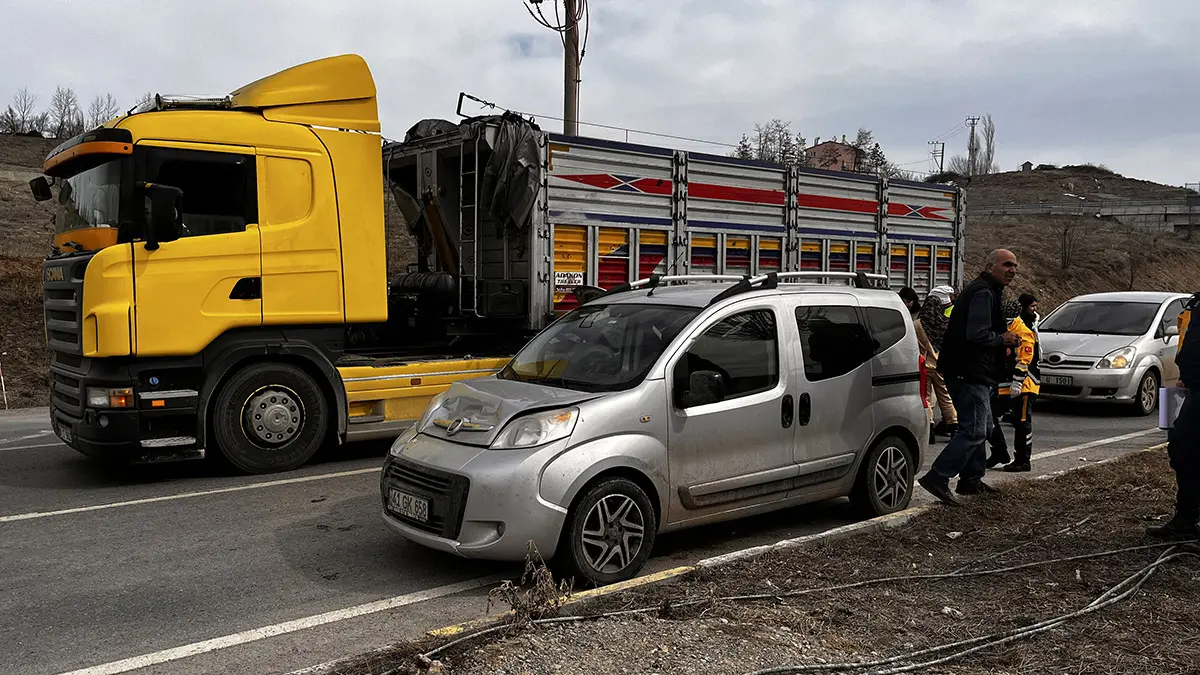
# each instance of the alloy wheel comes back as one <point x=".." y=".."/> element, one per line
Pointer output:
<point x="891" y="477"/>
<point x="613" y="532"/>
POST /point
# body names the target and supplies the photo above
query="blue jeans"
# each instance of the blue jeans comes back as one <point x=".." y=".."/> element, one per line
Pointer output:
<point x="966" y="454"/>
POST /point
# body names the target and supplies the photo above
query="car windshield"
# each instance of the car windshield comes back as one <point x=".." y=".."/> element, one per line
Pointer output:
<point x="1101" y="318"/>
<point x="599" y="348"/>
<point x="89" y="198"/>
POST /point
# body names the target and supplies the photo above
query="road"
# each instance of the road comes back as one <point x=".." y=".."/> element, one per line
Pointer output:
<point x="179" y="569"/>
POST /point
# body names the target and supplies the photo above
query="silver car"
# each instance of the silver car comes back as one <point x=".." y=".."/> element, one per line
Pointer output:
<point x="1117" y="347"/>
<point x="661" y="407"/>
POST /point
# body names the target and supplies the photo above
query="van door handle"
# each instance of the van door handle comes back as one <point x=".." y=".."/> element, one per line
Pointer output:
<point x="805" y="412"/>
<point x="787" y="411"/>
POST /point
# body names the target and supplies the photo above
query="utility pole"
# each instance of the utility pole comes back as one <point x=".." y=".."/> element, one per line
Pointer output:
<point x="938" y="150"/>
<point x="571" y="70"/>
<point x="972" y="147"/>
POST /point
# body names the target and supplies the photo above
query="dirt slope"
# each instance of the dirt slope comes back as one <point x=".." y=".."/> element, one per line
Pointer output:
<point x="1058" y="185"/>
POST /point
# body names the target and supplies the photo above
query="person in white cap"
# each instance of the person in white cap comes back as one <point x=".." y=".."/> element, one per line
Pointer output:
<point x="934" y="316"/>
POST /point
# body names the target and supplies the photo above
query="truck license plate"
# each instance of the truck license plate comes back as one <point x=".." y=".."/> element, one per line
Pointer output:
<point x="409" y="506"/>
<point x="1055" y="379"/>
<point x="64" y="432"/>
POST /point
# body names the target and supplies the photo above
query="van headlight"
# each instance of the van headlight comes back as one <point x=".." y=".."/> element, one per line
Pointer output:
<point x="1118" y="359"/>
<point x="537" y="429"/>
<point x="410" y="433"/>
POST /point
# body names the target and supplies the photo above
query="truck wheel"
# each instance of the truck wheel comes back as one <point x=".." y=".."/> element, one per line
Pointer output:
<point x="1145" y="401"/>
<point x="608" y="534"/>
<point x="269" y="417"/>
<point x="885" y="481"/>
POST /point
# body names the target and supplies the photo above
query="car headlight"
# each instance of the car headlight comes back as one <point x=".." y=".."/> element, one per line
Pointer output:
<point x="103" y="397"/>
<point x="531" y="431"/>
<point x="1118" y="359"/>
<point x="410" y="433"/>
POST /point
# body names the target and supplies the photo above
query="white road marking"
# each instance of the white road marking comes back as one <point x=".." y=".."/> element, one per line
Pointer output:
<point x="33" y="447"/>
<point x="1093" y="444"/>
<point x="28" y="437"/>
<point x="255" y="634"/>
<point x="185" y="495"/>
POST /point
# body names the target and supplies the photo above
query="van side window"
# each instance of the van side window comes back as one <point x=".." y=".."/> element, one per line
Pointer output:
<point x="834" y="340"/>
<point x="743" y="350"/>
<point x="220" y="190"/>
<point x="887" y="327"/>
<point x="1170" y="317"/>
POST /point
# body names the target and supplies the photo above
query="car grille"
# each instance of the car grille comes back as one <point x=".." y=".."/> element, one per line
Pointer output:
<point x="1069" y="364"/>
<point x="446" y="492"/>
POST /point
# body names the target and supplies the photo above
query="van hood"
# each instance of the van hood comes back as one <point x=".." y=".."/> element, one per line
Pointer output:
<point x="474" y="412"/>
<point x="1078" y="344"/>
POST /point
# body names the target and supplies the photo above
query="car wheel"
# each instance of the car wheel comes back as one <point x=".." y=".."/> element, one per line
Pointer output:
<point x="269" y="417"/>
<point x="885" y="481"/>
<point x="1146" y="398"/>
<point x="609" y="533"/>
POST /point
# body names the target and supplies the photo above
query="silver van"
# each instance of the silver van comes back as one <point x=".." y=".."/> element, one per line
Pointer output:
<point x="665" y="404"/>
<point x="1116" y="347"/>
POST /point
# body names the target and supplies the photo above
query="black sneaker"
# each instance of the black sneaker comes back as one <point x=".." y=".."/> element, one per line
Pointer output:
<point x="939" y="490"/>
<point x="975" y="487"/>
<point x="932" y="435"/>
<point x="1018" y="467"/>
<point x="1175" y="528"/>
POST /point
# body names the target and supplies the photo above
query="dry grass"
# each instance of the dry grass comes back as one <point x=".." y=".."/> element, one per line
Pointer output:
<point x="22" y="332"/>
<point x="1097" y="509"/>
<point x="1051" y="186"/>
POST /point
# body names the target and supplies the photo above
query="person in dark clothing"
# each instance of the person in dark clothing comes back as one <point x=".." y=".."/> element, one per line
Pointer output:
<point x="1183" y="440"/>
<point x="973" y="363"/>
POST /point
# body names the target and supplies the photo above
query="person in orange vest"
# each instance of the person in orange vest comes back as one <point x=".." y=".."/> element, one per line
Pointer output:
<point x="1183" y="440"/>
<point x="1017" y="396"/>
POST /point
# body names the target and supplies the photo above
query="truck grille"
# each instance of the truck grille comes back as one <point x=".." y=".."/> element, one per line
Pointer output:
<point x="446" y="492"/>
<point x="63" y="302"/>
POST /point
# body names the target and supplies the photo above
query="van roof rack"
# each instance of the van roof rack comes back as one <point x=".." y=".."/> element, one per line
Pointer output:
<point x="745" y="283"/>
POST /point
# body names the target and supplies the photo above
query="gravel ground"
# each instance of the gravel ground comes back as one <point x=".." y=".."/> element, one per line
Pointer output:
<point x="695" y="626"/>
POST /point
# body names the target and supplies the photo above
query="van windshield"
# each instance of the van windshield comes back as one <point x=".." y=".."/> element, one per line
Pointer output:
<point x="599" y="347"/>
<point x="1101" y="318"/>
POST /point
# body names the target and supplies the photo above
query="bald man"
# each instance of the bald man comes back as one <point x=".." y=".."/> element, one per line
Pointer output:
<point x="972" y="362"/>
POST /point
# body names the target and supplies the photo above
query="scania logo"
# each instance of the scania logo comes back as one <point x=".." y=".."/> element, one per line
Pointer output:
<point x="55" y="273"/>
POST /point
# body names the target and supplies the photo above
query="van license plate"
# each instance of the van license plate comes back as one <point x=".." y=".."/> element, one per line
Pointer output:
<point x="1053" y="379"/>
<point x="409" y="506"/>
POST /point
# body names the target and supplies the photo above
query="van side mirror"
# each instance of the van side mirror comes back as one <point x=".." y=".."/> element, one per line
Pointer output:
<point x="40" y="187"/>
<point x="703" y="387"/>
<point x="1170" y="332"/>
<point x="163" y="214"/>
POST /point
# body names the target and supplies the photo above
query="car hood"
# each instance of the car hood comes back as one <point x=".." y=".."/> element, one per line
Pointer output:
<point x="1076" y="344"/>
<point x="477" y="410"/>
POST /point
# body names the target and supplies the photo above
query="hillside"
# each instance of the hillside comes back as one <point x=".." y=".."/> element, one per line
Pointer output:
<point x="1103" y="259"/>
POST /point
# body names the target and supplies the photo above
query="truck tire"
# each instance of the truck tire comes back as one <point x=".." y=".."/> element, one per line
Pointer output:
<point x="885" y="481"/>
<point x="269" y="417"/>
<point x="608" y="533"/>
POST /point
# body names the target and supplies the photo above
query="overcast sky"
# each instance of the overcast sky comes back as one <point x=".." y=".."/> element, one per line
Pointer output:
<point x="1071" y="81"/>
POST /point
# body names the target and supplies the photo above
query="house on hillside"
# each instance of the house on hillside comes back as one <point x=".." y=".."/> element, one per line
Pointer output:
<point x="1027" y="166"/>
<point x="836" y="156"/>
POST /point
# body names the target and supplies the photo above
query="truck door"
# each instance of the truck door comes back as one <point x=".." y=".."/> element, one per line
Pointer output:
<point x="189" y="291"/>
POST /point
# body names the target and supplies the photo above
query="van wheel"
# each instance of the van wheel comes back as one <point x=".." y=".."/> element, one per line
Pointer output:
<point x="1146" y="399"/>
<point x="885" y="481"/>
<point x="609" y="533"/>
<point x="269" y="417"/>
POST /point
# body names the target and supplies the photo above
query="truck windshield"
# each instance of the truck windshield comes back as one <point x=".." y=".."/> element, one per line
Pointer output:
<point x="599" y="348"/>
<point x="90" y="198"/>
<point x="1101" y="318"/>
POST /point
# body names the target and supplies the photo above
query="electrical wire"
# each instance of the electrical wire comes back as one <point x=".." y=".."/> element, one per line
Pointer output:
<point x="1115" y="594"/>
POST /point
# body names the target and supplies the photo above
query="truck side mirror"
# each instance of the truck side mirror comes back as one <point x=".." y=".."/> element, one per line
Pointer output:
<point x="40" y="187"/>
<point x="163" y="216"/>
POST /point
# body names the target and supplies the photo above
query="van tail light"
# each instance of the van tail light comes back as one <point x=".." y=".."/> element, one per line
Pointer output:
<point x="924" y="380"/>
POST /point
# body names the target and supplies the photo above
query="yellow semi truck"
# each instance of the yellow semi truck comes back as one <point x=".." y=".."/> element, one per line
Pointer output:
<point x="219" y="279"/>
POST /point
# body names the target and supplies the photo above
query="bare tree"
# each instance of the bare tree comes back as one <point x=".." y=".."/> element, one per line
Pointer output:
<point x="772" y="142"/>
<point x="25" y="106"/>
<point x="66" y="119"/>
<point x="985" y="152"/>
<point x="9" y="122"/>
<point x="1070" y="233"/>
<point x="101" y="110"/>
<point x="1138" y="248"/>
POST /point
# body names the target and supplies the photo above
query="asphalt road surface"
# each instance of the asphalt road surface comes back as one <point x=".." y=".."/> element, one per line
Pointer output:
<point x="180" y="569"/>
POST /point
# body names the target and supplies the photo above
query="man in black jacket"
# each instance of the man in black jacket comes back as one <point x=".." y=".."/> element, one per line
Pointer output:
<point x="1183" y="441"/>
<point x="973" y="364"/>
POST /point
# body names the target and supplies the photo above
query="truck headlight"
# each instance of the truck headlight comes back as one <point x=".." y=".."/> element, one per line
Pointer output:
<point x="104" y="397"/>
<point x="1118" y="359"/>
<point x="538" y="429"/>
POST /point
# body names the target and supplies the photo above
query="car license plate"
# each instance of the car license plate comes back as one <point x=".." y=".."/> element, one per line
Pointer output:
<point x="409" y="506"/>
<point x="1055" y="379"/>
<point x="64" y="432"/>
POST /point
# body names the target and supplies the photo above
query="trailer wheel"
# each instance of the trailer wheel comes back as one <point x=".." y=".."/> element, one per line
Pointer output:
<point x="269" y="417"/>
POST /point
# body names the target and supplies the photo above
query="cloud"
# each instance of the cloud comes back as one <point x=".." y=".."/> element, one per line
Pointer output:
<point x="1108" y="81"/>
